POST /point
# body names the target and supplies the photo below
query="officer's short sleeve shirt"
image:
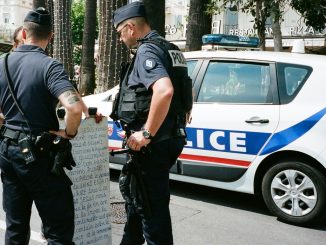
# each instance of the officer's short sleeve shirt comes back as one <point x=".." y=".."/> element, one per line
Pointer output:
<point x="57" y="79"/>
<point x="150" y="64"/>
<point x="38" y="81"/>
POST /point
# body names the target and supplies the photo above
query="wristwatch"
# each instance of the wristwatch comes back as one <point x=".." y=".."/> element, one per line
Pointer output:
<point x="147" y="135"/>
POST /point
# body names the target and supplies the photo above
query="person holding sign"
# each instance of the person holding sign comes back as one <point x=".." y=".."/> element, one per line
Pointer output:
<point x="155" y="96"/>
<point x="33" y="150"/>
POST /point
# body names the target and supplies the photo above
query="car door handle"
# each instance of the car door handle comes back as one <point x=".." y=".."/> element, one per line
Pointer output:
<point x="257" y="120"/>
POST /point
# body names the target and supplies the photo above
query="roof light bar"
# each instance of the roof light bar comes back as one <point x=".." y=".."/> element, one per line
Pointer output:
<point x="230" y="40"/>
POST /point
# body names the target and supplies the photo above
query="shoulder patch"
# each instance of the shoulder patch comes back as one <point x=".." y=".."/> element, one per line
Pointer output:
<point x="149" y="64"/>
<point x="177" y="58"/>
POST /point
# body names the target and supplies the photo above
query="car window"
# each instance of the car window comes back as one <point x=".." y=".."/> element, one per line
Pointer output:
<point x="228" y="82"/>
<point x="291" y="79"/>
<point x="191" y="64"/>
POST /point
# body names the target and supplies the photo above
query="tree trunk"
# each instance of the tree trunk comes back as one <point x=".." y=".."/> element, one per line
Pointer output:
<point x="277" y="36"/>
<point x="156" y="15"/>
<point x="260" y="20"/>
<point x="111" y="51"/>
<point x="39" y="3"/>
<point x="49" y="7"/>
<point x="62" y="44"/>
<point x="199" y="24"/>
<point x="103" y="47"/>
<point x="276" y="27"/>
<point x="87" y="72"/>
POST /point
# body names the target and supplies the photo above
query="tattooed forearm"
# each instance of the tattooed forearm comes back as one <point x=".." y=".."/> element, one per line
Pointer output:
<point x="71" y="96"/>
<point x="69" y="93"/>
<point x="73" y="100"/>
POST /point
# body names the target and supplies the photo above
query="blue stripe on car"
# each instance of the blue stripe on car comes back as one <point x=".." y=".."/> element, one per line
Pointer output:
<point x="287" y="136"/>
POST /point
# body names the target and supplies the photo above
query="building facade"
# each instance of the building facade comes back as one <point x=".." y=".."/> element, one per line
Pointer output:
<point x="234" y="22"/>
<point x="176" y="12"/>
<point x="12" y="13"/>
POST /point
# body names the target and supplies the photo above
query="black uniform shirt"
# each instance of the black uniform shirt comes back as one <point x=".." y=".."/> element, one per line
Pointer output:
<point x="38" y="80"/>
<point x="151" y="64"/>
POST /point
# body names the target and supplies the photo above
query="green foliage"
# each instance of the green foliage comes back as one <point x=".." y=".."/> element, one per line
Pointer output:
<point x="76" y="54"/>
<point x="313" y="11"/>
<point x="77" y="21"/>
<point x="77" y="26"/>
<point x="216" y="6"/>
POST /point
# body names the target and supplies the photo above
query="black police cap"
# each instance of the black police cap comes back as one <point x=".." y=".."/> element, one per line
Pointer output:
<point x="39" y="16"/>
<point x="134" y="9"/>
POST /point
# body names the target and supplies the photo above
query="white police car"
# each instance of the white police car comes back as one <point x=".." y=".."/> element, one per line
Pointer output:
<point x="258" y="127"/>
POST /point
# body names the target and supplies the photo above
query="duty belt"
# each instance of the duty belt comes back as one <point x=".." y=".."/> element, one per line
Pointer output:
<point x="11" y="134"/>
<point x="177" y="133"/>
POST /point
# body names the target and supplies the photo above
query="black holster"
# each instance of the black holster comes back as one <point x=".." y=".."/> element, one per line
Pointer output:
<point x="132" y="187"/>
<point x="124" y="183"/>
<point x="60" y="147"/>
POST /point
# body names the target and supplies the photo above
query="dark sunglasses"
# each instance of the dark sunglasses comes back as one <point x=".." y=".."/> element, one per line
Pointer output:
<point x="119" y="32"/>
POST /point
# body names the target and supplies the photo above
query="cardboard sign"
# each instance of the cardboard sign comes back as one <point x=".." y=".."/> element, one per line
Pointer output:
<point x="91" y="184"/>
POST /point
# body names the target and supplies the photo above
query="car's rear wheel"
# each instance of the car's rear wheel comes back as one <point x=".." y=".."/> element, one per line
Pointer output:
<point x="295" y="192"/>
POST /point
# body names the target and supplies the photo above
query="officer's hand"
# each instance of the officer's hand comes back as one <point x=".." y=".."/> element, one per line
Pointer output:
<point x="98" y="117"/>
<point x="92" y="112"/>
<point x="137" y="140"/>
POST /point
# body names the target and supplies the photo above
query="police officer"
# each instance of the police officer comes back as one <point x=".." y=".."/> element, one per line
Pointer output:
<point x="38" y="82"/>
<point x="149" y="71"/>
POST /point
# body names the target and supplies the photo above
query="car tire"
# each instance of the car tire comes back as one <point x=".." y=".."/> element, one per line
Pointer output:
<point x="295" y="192"/>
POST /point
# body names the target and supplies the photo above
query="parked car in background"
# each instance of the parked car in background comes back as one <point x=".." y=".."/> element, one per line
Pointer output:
<point x="258" y="127"/>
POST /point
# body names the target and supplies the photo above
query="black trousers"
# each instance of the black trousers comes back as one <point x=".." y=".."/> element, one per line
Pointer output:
<point x="24" y="184"/>
<point x="156" y="229"/>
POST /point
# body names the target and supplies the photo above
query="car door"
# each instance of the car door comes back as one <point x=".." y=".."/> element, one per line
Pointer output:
<point x="235" y="112"/>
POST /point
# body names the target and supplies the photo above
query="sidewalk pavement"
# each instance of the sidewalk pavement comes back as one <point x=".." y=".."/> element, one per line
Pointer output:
<point x="118" y="217"/>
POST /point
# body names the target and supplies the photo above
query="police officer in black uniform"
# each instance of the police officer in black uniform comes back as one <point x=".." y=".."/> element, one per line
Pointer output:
<point x="38" y="83"/>
<point x="156" y="135"/>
